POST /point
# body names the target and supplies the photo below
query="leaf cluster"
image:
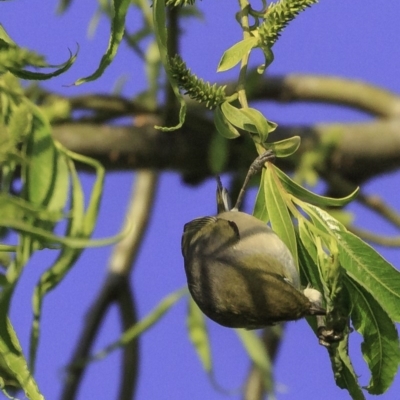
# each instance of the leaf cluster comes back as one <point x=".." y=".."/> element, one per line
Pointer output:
<point x="49" y="192"/>
<point x="358" y="285"/>
<point x="361" y="290"/>
<point x="15" y="59"/>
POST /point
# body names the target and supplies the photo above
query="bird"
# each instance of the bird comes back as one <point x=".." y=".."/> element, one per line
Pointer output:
<point x="240" y="273"/>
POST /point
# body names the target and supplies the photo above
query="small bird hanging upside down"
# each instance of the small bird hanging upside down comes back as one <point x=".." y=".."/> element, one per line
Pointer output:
<point x="241" y="274"/>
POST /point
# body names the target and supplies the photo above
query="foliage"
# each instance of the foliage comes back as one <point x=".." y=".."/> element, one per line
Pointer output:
<point x="32" y="212"/>
<point x="360" y="288"/>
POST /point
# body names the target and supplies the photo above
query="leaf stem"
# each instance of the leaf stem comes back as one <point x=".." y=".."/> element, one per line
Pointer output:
<point x="241" y="87"/>
<point x="244" y="22"/>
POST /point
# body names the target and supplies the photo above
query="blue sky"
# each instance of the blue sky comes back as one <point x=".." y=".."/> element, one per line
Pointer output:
<point x="357" y="39"/>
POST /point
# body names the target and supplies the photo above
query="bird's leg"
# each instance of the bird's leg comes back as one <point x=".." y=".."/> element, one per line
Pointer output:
<point x="255" y="167"/>
<point x="326" y="336"/>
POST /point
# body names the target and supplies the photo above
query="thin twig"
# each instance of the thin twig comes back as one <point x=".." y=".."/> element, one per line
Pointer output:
<point x="112" y="286"/>
<point x="381" y="240"/>
<point x="116" y="288"/>
<point x="378" y="205"/>
<point x="255" y="388"/>
<point x="325" y="89"/>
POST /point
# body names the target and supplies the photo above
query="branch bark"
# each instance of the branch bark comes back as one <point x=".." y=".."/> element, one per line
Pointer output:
<point x="356" y="152"/>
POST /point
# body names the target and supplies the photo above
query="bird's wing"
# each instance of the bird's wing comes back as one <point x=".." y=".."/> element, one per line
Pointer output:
<point x="213" y="233"/>
<point x="192" y="229"/>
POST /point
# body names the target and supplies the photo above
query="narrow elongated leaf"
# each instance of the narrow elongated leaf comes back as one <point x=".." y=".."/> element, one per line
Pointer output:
<point x="305" y="195"/>
<point x="278" y="213"/>
<point x="143" y="325"/>
<point x="80" y="226"/>
<point x="5" y="40"/>
<point x="381" y="343"/>
<point x="160" y="30"/>
<point x="363" y="263"/>
<point x="42" y="154"/>
<point x="60" y="189"/>
<point x="308" y="257"/>
<point x="17" y="365"/>
<point x="372" y="271"/>
<point x="198" y="334"/>
<point x="52" y="276"/>
<point x="345" y="376"/>
<point x="260" y="209"/>
<point x="234" y="54"/>
<point x="218" y="154"/>
<point x="46" y="237"/>
<point x="18" y="208"/>
<point x="257" y="353"/>
<point x="92" y="211"/>
<point x="7" y="377"/>
<point x="117" y="32"/>
<point x="20" y="122"/>
<point x="41" y="76"/>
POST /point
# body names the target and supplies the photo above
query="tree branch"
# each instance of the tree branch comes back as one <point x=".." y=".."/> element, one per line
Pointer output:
<point x="326" y="89"/>
<point x="116" y="288"/>
<point x="254" y="387"/>
<point x="388" y="241"/>
<point x="186" y="151"/>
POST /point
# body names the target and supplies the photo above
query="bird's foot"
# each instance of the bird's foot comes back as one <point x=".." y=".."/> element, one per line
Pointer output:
<point x="328" y="336"/>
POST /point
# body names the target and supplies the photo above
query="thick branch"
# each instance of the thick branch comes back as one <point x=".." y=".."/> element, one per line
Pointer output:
<point x="357" y="152"/>
<point x="327" y="89"/>
<point x="286" y="89"/>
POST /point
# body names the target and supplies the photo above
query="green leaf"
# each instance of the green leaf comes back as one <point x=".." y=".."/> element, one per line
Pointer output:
<point x="63" y="5"/>
<point x="258" y="355"/>
<point x="5" y="40"/>
<point x="286" y="147"/>
<point x="234" y="116"/>
<point x="305" y="195"/>
<point x="277" y="210"/>
<point x="381" y="343"/>
<point x="258" y="123"/>
<point x="224" y="127"/>
<point x="269" y="58"/>
<point x="160" y="31"/>
<point x="143" y="325"/>
<point x="47" y="238"/>
<point x="260" y="210"/>
<point x="248" y="119"/>
<point x="362" y="263"/>
<point x="7" y="377"/>
<point x="20" y="209"/>
<point x="308" y="257"/>
<point x="16" y="364"/>
<point x="40" y="76"/>
<point x="53" y="276"/>
<point x="117" y="32"/>
<point x="42" y="155"/>
<point x="371" y="271"/>
<point x="90" y="217"/>
<point x="345" y="376"/>
<point x="234" y="54"/>
<point x="198" y="334"/>
<point x="20" y="122"/>
<point x="218" y="154"/>
<point x="60" y="189"/>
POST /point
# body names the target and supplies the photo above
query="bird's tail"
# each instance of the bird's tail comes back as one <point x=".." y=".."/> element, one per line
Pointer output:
<point x="223" y="199"/>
